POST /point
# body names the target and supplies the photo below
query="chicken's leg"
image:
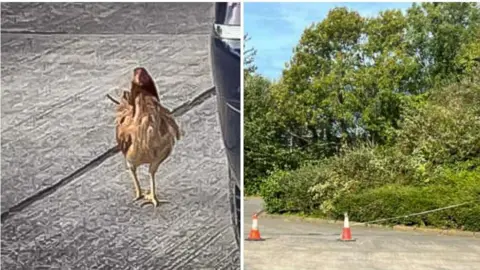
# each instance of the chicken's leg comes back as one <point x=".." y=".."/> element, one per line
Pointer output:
<point x="152" y="197"/>
<point x="133" y="173"/>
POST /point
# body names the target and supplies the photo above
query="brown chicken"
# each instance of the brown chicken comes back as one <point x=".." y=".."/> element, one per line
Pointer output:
<point x="145" y="130"/>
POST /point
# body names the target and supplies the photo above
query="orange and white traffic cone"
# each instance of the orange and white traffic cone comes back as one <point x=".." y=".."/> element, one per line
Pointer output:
<point x="346" y="233"/>
<point x="254" y="234"/>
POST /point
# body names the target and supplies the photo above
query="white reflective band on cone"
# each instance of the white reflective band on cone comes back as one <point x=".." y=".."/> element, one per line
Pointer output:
<point x="255" y="224"/>
<point x="345" y="222"/>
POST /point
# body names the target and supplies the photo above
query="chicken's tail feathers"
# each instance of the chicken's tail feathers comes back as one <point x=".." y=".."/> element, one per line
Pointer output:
<point x="180" y="133"/>
<point x="177" y="130"/>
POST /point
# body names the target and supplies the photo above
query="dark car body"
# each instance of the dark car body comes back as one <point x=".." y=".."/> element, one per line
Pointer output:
<point x="225" y="52"/>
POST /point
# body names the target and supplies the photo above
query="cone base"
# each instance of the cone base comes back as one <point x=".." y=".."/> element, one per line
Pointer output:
<point x="351" y="240"/>
<point x="251" y="239"/>
<point x="254" y="235"/>
<point x="346" y="235"/>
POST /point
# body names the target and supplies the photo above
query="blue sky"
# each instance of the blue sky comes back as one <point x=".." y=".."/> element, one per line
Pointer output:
<point x="275" y="28"/>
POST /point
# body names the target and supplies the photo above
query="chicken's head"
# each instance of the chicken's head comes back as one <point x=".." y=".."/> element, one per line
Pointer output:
<point x="142" y="79"/>
<point x="141" y="76"/>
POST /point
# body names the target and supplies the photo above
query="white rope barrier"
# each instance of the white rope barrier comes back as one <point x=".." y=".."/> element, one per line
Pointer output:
<point x="416" y="214"/>
<point x="403" y="216"/>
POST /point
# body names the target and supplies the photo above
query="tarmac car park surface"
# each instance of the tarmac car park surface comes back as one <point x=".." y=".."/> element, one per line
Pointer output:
<point x="292" y="243"/>
<point x="66" y="196"/>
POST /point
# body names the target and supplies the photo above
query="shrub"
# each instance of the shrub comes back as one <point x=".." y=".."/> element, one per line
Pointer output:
<point x="363" y="168"/>
<point x="396" y="200"/>
<point x="288" y="191"/>
<point x="446" y="128"/>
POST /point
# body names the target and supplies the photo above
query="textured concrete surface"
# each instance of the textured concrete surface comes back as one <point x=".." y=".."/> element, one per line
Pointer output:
<point x="296" y="244"/>
<point x="58" y="63"/>
<point x="107" y="18"/>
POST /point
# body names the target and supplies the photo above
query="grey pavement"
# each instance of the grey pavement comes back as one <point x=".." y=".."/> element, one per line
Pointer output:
<point x="58" y="63"/>
<point x="108" y="18"/>
<point x="298" y="244"/>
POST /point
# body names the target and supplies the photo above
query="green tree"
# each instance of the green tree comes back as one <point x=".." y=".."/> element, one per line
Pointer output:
<point x="438" y="34"/>
<point x="351" y="74"/>
<point x="266" y="148"/>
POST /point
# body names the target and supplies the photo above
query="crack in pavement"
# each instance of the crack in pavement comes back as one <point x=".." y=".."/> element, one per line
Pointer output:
<point x="179" y="111"/>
